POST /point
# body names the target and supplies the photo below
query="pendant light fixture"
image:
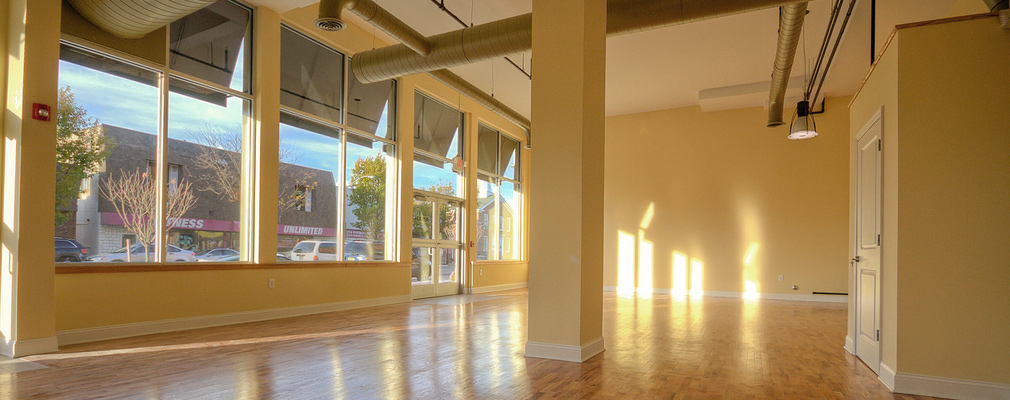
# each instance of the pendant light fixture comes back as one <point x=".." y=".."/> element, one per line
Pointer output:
<point x="803" y="125"/>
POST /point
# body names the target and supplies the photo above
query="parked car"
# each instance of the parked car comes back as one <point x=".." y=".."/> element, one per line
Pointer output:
<point x="216" y="254"/>
<point x="361" y="251"/>
<point x="175" y="254"/>
<point x="68" y="250"/>
<point x="314" y="250"/>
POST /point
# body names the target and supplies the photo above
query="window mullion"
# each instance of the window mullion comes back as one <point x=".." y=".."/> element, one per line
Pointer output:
<point x="161" y="172"/>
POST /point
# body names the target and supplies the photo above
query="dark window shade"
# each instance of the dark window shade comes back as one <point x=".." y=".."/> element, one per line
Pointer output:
<point x="487" y="149"/>
<point x="207" y="44"/>
<point x="312" y="76"/>
<point x="437" y="127"/>
<point x="366" y="103"/>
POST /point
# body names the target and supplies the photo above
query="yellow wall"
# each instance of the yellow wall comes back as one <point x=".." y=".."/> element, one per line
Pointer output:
<point x="880" y="90"/>
<point x="95" y="300"/>
<point x="954" y="201"/>
<point x="496" y="273"/>
<point x="722" y="189"/>
<point x="90" y="300"/>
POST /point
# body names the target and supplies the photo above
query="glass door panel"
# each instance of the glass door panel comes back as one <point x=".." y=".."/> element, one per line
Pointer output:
<point x="435" y="265"/>
<point x="423" y="219"/>
<point x="448" y="266"/>
<point x="421" y="265"/>
<point x="448" y="221"/>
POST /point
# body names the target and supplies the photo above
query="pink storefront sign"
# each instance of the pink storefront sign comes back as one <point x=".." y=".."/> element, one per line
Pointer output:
<point x="182" y="223"/>
<point x="306" y="230"/>
<point x="201" y="224"/>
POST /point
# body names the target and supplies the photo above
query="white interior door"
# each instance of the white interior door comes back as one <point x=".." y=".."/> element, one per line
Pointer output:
<point x="867" y="251"/>
<point x="436" y="250"/>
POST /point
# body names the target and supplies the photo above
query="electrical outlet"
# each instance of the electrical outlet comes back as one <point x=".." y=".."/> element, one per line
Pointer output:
<point x="782" y="277"/>
<point x="270" y="283"/>
<point x="482" y="272"/>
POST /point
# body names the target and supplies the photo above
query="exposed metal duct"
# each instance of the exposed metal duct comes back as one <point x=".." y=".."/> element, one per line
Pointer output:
<point x="514" y="35"/>
<point x="996" y="5"/>
<point x="630" y="16"/>
<point x="131" y="19"/>
<point x="329" y="20"/>
<point x="465" y="46"/>
<point x="469" y="90"/>
<point x="790" y="28"/>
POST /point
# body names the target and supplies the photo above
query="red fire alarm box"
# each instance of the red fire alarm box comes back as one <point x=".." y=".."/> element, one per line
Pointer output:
<point x="40" y="112"/>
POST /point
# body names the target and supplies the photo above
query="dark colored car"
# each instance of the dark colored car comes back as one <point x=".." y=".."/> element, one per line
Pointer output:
<point x="68" y="250"/>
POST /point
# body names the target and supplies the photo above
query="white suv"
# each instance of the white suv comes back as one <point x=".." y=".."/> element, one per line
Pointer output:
<point x="314" y="250"/>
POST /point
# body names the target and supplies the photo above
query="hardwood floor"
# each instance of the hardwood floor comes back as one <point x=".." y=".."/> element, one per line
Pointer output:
<point x="472" y="347"/>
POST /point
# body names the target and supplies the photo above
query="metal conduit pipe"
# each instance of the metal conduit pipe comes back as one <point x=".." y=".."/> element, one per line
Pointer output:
<point x="465" y="46"/>
<point x="469" y="90"/>
<point x="790" y="28"/>
<point x="514" y="35"/>
<point x="131" y="19"/>
<point x="329" y="20"/>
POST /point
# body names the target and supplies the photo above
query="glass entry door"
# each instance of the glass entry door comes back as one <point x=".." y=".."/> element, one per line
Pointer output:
<point x="435" y="265"/>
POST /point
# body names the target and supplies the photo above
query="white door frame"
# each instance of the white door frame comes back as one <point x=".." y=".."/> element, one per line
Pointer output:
<point x="436" y="288"/>
<point x="876" y="119"/>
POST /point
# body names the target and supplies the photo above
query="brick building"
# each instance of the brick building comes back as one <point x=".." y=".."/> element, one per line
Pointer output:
<point x="214" y="220"/>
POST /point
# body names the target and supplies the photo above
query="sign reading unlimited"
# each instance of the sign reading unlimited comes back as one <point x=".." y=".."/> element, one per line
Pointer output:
<point x="201" y="224"/>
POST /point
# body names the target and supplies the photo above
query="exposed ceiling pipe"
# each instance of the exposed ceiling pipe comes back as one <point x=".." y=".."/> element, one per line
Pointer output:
<point x="514" y="35"/>
<point x="329" y="12"/>
<point x="131" y="19"/>
<point x="329" y="20"/>
<point x="469" y="90"/>
<point x="996" y="5"/>
<point x="790" y="28"/>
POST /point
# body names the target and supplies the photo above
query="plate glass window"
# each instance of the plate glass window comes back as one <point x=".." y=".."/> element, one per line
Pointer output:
<point x="107" y="129"/>
<point x="308" y="186"/>
<point x="499" y="199"/>
<point x="438" y="140"/>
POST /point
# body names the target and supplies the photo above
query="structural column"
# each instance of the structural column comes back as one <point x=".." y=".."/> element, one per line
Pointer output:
<point x="566" y="197"/>
<point x="27" y="308"/>
<point x="260" y="153"/>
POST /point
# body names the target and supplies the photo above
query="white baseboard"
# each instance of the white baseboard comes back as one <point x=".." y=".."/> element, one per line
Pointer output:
<point x="961" y="389"/>
<point x="850" y="345"/>
<point x="827" y="298"/>
<point x="564" y="352"/>
<point x="591" y="349"/>
<point x="886" y="376"/>
<point x="498" y="288"/>
<point x="21" y="348"/>
<point x="95" y="334"/>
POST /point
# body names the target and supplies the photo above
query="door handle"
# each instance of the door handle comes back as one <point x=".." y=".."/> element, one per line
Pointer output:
<point x="856" y="259"/>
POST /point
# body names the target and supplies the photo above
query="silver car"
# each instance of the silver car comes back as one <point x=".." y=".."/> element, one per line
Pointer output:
<point x="175" y="254"/>
<point x="216" y="254"/>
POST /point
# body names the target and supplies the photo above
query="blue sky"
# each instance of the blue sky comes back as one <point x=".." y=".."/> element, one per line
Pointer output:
<point x="133" y="105"/>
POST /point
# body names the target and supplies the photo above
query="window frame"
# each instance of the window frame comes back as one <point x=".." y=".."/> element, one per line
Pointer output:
<point x="461" y="151"/>
<point x="496" y="178"/>
<point x="343" y="130"/>
<point x="166" y="75"/>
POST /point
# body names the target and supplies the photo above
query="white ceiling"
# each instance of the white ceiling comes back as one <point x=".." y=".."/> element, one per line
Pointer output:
<point x="667" y="68"/>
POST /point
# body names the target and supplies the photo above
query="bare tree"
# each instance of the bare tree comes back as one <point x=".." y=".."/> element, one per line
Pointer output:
<point x="219" y="161"/>
<point x="135" y="199"/>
